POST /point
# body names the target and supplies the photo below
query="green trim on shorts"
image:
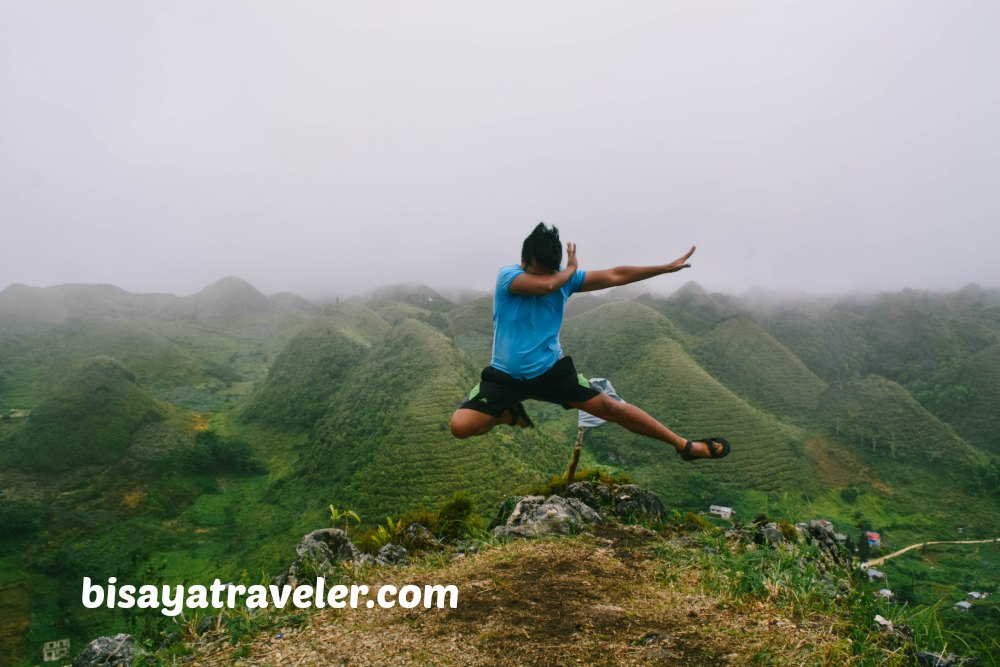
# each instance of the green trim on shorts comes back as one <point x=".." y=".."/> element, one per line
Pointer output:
<point x="584" y="382"/>
<point x="474" y="392"/>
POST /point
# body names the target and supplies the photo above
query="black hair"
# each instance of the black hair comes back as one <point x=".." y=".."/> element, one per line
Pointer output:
<point x="543" y="246"/>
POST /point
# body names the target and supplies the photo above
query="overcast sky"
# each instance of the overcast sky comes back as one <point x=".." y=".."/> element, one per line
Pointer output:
<point x="330" y="147"/>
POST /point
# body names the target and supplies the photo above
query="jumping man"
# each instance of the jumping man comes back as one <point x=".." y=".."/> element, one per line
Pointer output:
<point x="527" y="361"/>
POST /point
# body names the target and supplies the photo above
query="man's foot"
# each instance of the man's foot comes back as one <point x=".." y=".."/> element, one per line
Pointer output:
<point x="714" y="448"/>
<point x="519" y="417"/>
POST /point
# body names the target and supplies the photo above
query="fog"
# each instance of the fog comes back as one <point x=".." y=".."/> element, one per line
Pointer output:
<point x="331" y="147"/>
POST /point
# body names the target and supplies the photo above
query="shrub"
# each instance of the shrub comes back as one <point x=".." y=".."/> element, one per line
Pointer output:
<point x="19" y="518"/>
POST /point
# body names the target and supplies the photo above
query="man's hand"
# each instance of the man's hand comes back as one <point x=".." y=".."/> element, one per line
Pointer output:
<point x="623" y="275"/>
<point x="571" y="255"/>
<point x="681" y="262"/>
<point x="538" y="281"/>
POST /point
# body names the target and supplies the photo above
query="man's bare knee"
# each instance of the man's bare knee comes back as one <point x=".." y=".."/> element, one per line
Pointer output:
<point x="459" y="428"/>
<point x="465" y="425"/>
<point x="604" y="407"/>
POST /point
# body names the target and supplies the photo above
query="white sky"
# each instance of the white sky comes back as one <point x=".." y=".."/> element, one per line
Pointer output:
<point x="330" y="147"/>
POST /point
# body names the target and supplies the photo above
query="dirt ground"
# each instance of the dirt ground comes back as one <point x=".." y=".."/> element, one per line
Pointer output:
<point x="601" y="599"/>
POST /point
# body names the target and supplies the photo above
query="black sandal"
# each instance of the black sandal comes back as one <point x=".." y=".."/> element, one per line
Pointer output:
<point x="518" y="413"/>
<point x="713" y="453"/>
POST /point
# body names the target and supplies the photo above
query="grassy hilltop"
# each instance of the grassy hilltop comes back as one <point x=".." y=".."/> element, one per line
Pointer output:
<point x="193" y="437"/>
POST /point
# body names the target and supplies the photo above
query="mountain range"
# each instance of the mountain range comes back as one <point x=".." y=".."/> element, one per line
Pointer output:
<point x="201" y="435"/>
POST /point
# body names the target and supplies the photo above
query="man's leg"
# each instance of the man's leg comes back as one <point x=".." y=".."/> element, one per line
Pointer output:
<point x="638" y="421"/>
<point x="466" y="422"/>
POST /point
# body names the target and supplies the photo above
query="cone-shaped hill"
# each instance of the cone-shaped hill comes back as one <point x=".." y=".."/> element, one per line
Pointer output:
<point x="620" y="341"/>
<point x="384" y="446"/>
<point x="229" y="297"/>
<point x="884" y="419"/>
<point x="314" y="365"/>
<point x="830" y="342"/>
<point x="471" y="327"/>
<point x="414" y="294"/>
<point x="755" y="366"/>
<point x="968" y="395"/>
<point x="90" y="418"/>
<point x="692" y="308"/>
<point x="612" y="333"/>
<point x="920" y="460"/>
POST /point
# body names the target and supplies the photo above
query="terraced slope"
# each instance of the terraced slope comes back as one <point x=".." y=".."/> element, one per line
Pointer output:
<point x="879" y="414"/>
<point x="755" y="366"/>
<point x="314" y="365"/>
<point x="471" y="327"/>
<point x="611" y="331"/>
<point x="831" y="343"/>
<point x="384" y="446"/>
<point x="656" y="373"/>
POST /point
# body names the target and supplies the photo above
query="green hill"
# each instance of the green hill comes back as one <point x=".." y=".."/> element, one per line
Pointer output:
<point x="914" y="334"/>
<point x="880" y="414"/>
<point x="471" y="327"/>
<point x="967" y="394"/>
<point x="614" y="331"/>
<point x="755" y="366"/>
<point x="384" y="446"/>
<point x="831" y="343"/>
<point x="692" y="308"/>
<point x="313" y="366"/>
<point x="89" y="419"/>
<point x="299" y="407"/>
<point x="229" y="297"/>
<point x="626" y="342"/>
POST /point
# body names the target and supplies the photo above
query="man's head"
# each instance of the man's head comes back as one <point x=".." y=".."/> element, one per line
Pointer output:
<point x="542" y="249"/>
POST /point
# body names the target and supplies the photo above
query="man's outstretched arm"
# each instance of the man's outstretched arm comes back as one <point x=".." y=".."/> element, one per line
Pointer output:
<point x="623" y="275"/>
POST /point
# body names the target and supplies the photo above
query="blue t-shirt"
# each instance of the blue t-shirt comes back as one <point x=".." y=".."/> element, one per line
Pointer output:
<point x="526" y="328"/>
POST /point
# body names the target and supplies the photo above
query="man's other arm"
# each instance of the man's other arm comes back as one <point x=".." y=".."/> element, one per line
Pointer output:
<point x="623" y="275"/>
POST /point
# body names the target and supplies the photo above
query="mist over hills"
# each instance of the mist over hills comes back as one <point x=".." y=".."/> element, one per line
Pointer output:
<point x="213" y="430"/>
<point x="21" y="305"/>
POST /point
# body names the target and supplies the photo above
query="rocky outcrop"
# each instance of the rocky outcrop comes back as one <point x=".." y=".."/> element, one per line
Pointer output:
<point x="318" y="554"/>
<point x="117" y="651"/>
<point x="628" y="502"/>
<point x="531" y="516"/>
<point x="581" y="504"/>
<point x="322" y="551"/>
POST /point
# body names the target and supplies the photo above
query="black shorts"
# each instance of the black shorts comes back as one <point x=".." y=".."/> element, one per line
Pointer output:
<point x="497" y="390"/>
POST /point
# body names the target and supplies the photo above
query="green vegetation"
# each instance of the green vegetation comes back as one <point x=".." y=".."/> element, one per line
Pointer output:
<point x="90" y="418"/>
<point x="198" y="437"/>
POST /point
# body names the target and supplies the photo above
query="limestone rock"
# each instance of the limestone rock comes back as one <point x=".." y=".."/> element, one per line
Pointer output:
<point x="116" y="651"/>
<point x="535" y="515"/>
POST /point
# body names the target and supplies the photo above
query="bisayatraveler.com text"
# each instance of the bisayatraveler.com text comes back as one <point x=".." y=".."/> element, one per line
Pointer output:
<point x="172" y="600"/>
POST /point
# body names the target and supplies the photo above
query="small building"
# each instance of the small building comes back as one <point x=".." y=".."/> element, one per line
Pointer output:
<point x="975" y="596"/>
<point x="963" y="606"/>
<point x="875" y="575"/>
<point x="56" y="650"/>
<point x="874" y="539"/>
<point x="719" y="510"/>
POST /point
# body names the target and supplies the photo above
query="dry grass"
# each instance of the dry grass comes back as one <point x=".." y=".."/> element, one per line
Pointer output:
<point x="590" y="600"/>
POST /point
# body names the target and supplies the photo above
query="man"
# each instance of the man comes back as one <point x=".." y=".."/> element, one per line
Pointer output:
<point x="527" y="362"/>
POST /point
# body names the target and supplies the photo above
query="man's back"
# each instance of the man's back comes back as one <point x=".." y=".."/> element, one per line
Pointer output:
<point x="526" y="328"/>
